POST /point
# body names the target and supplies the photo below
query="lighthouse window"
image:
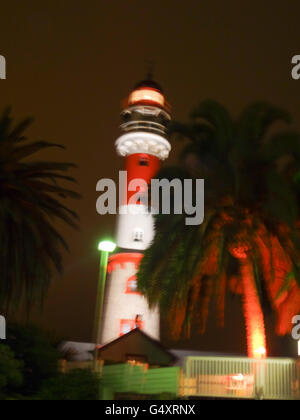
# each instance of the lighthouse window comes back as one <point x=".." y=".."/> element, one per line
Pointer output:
<point x="144" y="162"/>
<point x="127" y="325"/>
<point x="138" y="235"/>
<point x="136" y="359"/>
<point x="132" y="285"/>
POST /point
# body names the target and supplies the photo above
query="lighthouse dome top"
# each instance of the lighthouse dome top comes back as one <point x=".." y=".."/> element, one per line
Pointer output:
<point x="149" y="83"/>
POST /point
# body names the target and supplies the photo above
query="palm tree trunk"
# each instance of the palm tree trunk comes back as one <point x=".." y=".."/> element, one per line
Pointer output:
<point x="254" y="319"/>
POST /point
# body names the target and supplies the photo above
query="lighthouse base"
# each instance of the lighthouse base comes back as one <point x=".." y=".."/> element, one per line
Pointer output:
<point x="124" y="307"/>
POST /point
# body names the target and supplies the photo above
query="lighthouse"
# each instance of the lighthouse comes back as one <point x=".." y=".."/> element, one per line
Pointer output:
<point x="143" y="143"/>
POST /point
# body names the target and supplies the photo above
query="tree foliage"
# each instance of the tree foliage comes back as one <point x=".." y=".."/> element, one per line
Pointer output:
<point x="10" y="371"/>
<point x="252" y="181"/>
<point x="31" y="200"/>
<point x="39" y="357"/>
<point x="76" y="385"/>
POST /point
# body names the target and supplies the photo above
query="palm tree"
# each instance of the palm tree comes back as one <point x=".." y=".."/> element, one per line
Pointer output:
<point x="30" y="202"/>
<point x="249" y="241"/>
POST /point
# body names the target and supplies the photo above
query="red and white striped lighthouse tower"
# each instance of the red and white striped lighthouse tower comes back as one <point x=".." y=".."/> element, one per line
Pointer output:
<point x="143" y="142"/>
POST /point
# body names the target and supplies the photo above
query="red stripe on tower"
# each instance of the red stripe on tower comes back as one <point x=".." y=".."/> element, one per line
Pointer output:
<point x="140" y="166"/>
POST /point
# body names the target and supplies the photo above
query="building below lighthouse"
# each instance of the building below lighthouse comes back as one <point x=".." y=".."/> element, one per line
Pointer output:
<point x="143" y="143"/>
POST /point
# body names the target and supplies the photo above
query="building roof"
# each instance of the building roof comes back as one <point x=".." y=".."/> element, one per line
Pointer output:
<point x="181" y="355"/>
<point x="137" y="343"/>
<point x="78" y="351"/>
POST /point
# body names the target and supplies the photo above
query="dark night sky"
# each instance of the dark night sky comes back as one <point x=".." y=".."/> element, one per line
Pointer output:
<point x="70" y="63"/>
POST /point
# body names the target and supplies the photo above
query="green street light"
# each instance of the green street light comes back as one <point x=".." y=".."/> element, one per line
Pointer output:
<point x="105" y="247"/>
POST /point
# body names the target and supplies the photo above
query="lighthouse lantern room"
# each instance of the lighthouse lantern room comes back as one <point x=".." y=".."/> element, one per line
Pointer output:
<point x="143" y="142"/>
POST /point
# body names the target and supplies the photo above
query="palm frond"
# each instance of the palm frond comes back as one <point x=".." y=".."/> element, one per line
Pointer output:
<point x="30" y="203"/>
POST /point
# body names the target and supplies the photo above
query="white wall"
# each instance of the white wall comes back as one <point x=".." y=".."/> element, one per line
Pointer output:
<point x="120" y="305"/>
<point x="133" y="217"/>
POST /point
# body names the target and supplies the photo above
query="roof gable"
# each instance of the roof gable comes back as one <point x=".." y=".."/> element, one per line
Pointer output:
<point x="136" y="343"/>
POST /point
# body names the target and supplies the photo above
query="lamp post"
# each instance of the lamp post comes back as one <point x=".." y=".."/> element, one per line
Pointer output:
<point x="105" y="247"/>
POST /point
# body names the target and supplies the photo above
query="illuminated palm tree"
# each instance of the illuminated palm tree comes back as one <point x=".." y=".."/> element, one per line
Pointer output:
<point x="31" y="199"/>
<point x="249" y="242"/>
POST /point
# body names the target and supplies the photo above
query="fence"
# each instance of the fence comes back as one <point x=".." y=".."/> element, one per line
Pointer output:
<point x="140" y="380"/>
<point x="220" y="377"/>
<point x="240" y="378"/>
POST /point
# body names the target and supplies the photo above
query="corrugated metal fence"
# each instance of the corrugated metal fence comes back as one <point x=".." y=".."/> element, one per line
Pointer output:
<point x="241" y="378"/>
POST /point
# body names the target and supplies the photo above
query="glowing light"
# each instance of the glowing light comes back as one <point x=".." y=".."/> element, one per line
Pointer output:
<point x="239" y="377"/>
<point x="260" y="352"/>
<point x="107" y="246"/>
<point x="255" y="328"/>
<point x="146" y="95"/>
